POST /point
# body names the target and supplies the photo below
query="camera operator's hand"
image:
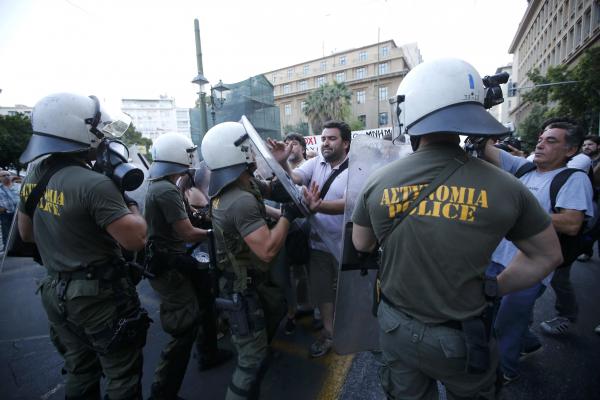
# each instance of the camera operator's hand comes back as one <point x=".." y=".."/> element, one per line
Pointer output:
<point x="515" y="152"/>
<point x="129" y="201"/>
<point x="290" y="212"/>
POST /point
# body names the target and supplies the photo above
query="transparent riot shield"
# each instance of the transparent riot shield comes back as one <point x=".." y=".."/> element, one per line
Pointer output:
<point x="355" y="326"/>
<point x="268" y="166"/>
<point x="15" y="247"/>
<point x="139" y="194"/>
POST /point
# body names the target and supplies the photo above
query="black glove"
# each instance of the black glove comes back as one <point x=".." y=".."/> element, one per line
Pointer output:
<point x="290" y="212"/>
<point x="278" y="193"/>
<point x="129" y="201"/>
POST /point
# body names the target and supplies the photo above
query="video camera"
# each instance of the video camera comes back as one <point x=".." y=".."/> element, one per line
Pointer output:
<point x="493" y="91"/>
<point x="509" y="140"/>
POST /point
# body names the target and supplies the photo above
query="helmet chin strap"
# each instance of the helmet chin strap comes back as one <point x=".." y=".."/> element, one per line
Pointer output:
<point x="414" y="142"/>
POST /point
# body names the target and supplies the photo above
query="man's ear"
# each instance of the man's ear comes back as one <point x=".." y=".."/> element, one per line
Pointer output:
<point x="347" y="146"/>
<point x="572" y="151"/>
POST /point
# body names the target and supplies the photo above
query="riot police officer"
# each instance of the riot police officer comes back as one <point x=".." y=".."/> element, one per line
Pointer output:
<point x="79" y="219"/>
<point x="177" y="273"/>
<point x="438" y="214"/>
<point x="245" y="247"/>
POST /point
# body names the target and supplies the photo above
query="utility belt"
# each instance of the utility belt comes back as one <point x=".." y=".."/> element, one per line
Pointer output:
<point x="477" y="334"/>
<point x="453" y="324"/>
<point x="108" y="272"/>
<point x="105" y="273"/>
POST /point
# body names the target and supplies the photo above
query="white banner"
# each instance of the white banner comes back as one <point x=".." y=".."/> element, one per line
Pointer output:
<point x="313" y="143"/>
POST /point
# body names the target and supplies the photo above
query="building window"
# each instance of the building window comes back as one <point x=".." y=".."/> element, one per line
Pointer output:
<point x="273" y="78"/>
<point x="287" y="88"/>
<point x="320" y="80"/>
<point x="571" y="41"/>
<point x="290" y="73"/>
<point x="361" y="73"/>
<point x="385" y="51"/>
<point x="597" y="14"/>
<point x="586" y="23"/>
<point x="383" y="93"/>
<point x="382" y="68"/>
<point x="360" y="97"/>
<point x="342" y="60"/>
<point x="362" y="56"/>
<point x="512" y="89"/>
<point x="578" y="33"/>
<point x="363" y="119"/>
<point x="340" y="77"/>
<point x="302" y="85"/>
<point x="383" y="118"/>
<point x="302" y="105"/>
<point x="287" y="109"/>
<point x="306" y="70"/>
<point x="323" y="65"/>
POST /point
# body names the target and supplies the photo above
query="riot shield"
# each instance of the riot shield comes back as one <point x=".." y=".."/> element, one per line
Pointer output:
<point x="139" y="194"/>
<point x="355" y="326"/>
<point x="266" y="163"/>
<point x="202" y="178"/>
<point x="15" y="247"/>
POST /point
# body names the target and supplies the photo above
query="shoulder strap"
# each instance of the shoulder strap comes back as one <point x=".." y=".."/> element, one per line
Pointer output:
<point x="557" y="183"/>
<point x="451" y="167"/>
<point x="36" y="194"/>
<point x="525" y="168"/>
<point x="332" y="177"/>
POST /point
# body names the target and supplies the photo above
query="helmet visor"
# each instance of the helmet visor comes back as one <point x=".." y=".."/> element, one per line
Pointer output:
<point x="469" y="119"/>
<point x="114" y="124"/>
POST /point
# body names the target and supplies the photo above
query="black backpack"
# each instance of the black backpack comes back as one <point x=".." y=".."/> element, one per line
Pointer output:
<point x="571" y="246"/>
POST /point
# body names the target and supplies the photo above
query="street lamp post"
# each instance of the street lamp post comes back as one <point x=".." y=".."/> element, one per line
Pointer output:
<point x="216" y="103"/>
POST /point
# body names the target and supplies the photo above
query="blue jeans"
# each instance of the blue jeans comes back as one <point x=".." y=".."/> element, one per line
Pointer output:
<point x="511" y="325"/>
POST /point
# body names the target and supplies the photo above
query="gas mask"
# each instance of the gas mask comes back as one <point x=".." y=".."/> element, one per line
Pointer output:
<point x="112" y="159"/>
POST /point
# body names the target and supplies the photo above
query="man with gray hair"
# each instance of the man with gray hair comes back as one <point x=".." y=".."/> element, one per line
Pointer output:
<point x="568" y="207"/>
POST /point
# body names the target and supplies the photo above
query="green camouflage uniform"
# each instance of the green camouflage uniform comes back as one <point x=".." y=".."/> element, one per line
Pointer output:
<point x="87" y="290"/>
<point x="236" y="213"/>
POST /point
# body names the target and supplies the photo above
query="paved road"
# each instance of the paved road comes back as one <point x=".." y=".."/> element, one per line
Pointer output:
<point x="567" y="368"/>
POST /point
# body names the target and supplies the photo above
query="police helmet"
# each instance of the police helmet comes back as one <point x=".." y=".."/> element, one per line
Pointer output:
<point x="445" y="96"/>
<point x="227" y="152"/>
<point x="68" y="122"/>
<point x="172" y="153"/>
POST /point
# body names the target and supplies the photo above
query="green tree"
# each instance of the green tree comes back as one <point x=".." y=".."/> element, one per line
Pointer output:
<point x="15" y="131"/>
<point x="579" y="100"/>
<point x="356" y="124"/>
<point x="529" y="129"/>
<point x="300" y="127"/>
<point x="132" y="136"/>
<point x="330" y="101"/>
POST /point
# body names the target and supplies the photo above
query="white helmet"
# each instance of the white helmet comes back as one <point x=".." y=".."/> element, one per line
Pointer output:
<point x="172" y="153"/>
<point x="445" y="96"/>
<point x="227" y="153"/>
<point x="67" y="122"/>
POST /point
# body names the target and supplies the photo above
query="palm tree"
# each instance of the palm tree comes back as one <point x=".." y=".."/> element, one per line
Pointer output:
<point x="330" y="101"/>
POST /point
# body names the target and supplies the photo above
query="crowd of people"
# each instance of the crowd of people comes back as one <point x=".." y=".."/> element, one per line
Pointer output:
<point x="461" y="263"/>
<point x="9" y="198"/>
